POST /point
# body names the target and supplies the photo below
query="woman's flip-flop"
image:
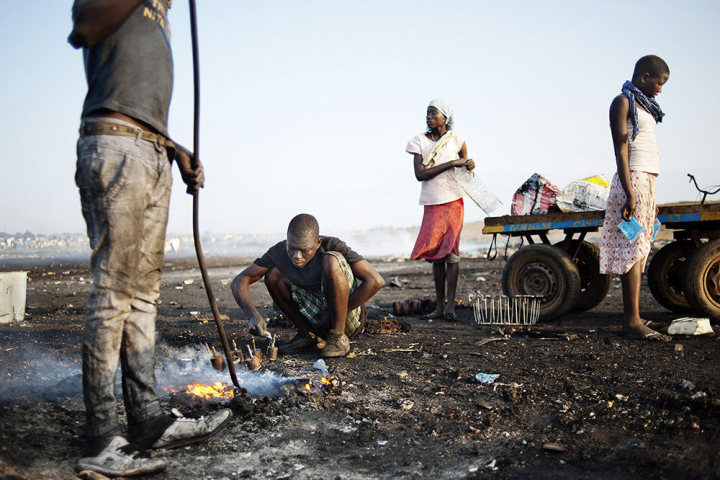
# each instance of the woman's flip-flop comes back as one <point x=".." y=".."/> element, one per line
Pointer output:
<point x="655" y="337"/>
<point x="654" y="325"/>
<point x="434" y="316"/>
<point x="451" y="317"/>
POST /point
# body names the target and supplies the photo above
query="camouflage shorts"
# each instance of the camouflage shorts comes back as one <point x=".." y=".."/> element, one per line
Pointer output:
<point x="312" y="303"/>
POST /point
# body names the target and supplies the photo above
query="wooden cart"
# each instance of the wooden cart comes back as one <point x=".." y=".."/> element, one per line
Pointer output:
<point x="684" y="275"/>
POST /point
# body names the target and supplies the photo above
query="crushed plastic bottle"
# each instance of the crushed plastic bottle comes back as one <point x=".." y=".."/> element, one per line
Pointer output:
<point x="477" y="190"/>
<point x="487" y="377"/>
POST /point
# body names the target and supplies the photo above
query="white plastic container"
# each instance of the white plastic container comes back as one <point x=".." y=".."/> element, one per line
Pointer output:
<point x="13" y="288"/>
<point x="477" y="190"/>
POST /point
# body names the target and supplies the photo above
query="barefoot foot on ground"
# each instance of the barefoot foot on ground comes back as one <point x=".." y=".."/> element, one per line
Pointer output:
<point x="437" y="313"/>
<point x="644" y="333"/>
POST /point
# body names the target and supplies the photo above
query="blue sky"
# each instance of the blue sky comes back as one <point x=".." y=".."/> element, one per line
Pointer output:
<point x="308" y="106"/>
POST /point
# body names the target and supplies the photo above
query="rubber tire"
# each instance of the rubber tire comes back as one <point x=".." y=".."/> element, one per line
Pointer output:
<point x="543" y="269"/>
<point x="665" y="275"/>
<point x="594" y="286"/>
<point x="701" y="281"/>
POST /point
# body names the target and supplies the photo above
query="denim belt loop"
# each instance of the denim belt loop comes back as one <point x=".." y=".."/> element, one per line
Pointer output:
<point x="138" y="137"/>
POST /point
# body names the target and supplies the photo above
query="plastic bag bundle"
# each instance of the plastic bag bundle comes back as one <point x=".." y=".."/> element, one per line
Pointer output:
<point x="584" y="195"/>
<point x="631" y="229"/>
<point x="536" y="195"/>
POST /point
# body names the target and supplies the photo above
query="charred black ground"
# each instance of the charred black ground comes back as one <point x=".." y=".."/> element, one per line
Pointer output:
<point x="573" y="399"/>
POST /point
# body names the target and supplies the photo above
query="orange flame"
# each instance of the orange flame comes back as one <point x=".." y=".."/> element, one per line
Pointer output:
<point x="217" y="390"/>
<point x="326" y="380"/>
<point x="308" y="387"/>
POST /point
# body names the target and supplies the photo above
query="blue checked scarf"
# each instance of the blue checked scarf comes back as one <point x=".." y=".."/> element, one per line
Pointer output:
<point x="649" y="104"/>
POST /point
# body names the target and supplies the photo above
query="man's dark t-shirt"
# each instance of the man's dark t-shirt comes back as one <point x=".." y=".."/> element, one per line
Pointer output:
<point x="310" y="275"/>
<point x="131" y="71"/>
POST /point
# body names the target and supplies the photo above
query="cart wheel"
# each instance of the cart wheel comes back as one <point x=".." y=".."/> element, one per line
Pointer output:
<point x="701" y="280"/>
<point x="545" y="271"/>
<point x="594" y="286"/>
<point x="665" y="275"/>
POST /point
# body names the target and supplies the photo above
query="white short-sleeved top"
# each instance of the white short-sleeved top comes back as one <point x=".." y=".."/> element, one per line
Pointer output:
<point x="643" y="154"/>
<point x="443" y="188"/>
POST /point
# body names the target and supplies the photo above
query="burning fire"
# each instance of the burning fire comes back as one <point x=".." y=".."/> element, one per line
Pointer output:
<point x="216" y="390"/>
<point x="332" y="385"/>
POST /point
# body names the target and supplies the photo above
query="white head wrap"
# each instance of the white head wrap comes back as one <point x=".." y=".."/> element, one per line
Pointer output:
<point x="446" y="109"/>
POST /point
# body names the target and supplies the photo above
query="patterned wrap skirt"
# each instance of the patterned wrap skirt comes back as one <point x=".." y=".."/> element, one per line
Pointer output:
<point x="440" y="231"/>
<point x="617" y="253"/>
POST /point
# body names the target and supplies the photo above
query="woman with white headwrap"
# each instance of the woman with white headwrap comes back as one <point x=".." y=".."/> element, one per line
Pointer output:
<point x="436" y="154"/>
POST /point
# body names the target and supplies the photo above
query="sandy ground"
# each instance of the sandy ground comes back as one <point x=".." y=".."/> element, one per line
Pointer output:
<point x="572" y="400"/>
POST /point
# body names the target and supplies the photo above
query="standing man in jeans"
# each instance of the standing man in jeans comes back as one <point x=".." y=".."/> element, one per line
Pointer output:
<point x="124" y="176"/>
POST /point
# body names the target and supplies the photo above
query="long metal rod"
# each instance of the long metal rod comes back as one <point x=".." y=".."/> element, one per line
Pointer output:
<point x="196" y="197"/>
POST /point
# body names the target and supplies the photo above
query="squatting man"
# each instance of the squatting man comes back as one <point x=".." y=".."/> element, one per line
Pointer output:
<point x="319" y="283"/>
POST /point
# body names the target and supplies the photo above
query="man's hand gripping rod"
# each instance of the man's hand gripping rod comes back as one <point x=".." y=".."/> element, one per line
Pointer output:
<point x="196" y="196"/>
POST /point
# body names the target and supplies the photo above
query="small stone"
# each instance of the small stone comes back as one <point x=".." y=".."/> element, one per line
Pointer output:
<point x="554" y="447"/>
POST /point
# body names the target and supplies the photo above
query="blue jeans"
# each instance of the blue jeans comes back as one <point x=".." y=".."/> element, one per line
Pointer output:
<point x="124" y="187"/>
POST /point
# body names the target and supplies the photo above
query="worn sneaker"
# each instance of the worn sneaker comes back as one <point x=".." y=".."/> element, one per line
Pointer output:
<point x="338" y="345"/>
<point x="300" y="342"/>
<point x="184" y="431"/>
<point x="120" y="459"/>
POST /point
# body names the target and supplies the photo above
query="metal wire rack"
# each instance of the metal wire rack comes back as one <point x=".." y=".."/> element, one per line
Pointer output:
<point x="504" y="310"/>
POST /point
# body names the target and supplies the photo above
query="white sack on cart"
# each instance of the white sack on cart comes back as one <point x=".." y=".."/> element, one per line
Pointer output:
<point x="588" y="194"/>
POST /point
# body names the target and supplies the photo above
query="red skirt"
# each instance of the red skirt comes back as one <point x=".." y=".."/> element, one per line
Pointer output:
<point x="440" y="231"/>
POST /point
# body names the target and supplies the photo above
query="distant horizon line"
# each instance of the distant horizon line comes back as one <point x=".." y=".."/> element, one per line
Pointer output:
<point x="173" y="234"/>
